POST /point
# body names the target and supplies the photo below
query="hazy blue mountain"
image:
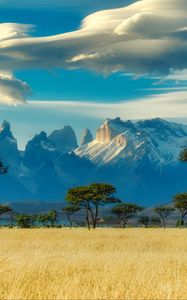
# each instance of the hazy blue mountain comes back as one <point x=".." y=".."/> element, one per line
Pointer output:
<point x="64" y="139"/>
<point x="139" y="158"/>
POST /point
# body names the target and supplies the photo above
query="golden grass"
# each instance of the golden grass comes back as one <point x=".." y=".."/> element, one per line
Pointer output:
<point x="101" y="264"/>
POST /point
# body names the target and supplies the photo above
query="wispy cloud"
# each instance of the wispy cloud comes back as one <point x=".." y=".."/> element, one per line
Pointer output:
<point x="169" y="105"/>
<point x="148" y="37"/>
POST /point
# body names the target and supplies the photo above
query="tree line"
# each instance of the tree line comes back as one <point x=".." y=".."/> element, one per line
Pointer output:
<point x="90" y="199"/>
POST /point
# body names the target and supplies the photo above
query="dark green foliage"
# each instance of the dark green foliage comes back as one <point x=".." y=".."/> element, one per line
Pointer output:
<point x="70" y="210"/>
<point x="183" y="155"/>
<point x="43" y="219"/>
<point x="155" y="221"/>
<point x="179" y="223"/>
<point x="25" y="221"/>
<point x="180" y="202"/>
<point x="163" y="212"/>
<point x="124" y="212"/>
<point x="52" y="216"/>
<point x="144" y="220"/>
<point x="4" y="209"/>
<point x="90" y="198"/>
<point x="3" y="169"/>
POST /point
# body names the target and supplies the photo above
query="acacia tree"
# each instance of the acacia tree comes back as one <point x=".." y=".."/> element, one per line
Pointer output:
<point x="90" y="198"/>
<point x="70" y="210"/>
<point x="164" y="212"/>
<point x="180" y="202"/>
<point x="25" y="221"/>
<point x="124" y="212"/>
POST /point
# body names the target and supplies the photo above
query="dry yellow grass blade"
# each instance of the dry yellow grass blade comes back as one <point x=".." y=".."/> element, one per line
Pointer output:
<point x="101" y="264"/>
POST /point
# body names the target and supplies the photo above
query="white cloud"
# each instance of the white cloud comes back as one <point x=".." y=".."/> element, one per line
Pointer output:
<point x="147" y="37"/>
<point x="12" y="90"/>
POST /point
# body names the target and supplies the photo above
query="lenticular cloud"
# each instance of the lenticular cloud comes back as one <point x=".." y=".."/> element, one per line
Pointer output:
<point x="148" y="37"/>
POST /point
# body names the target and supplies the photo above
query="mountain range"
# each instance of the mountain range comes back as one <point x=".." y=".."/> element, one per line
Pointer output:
<point x="141" y="159"/>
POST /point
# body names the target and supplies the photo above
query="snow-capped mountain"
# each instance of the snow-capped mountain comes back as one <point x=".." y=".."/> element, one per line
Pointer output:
<point x="139" y="158"/>
<point x="118" y="141"/>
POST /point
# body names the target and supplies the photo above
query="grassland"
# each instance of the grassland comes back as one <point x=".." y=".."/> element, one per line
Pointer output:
<point x="101" y="264"/>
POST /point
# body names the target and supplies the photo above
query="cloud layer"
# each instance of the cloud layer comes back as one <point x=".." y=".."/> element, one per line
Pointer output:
<point x="148" y="37"/>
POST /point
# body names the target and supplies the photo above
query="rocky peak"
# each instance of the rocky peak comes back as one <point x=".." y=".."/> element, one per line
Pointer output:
<point x="87" y="137"/>
<point x="5" y="130"/>
<point x="112" y="128"/>
<point x="38" y="150"/>
<point x="8" y="146"/>
<point x="64" y="139"/>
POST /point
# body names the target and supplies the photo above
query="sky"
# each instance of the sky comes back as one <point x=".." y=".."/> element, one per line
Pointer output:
<point x="78" y="62"/>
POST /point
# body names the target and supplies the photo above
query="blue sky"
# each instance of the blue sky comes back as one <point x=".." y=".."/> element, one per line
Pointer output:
<point x="82" y="68"/>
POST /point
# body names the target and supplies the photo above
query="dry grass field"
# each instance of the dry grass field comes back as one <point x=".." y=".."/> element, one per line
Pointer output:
<point x="101" y="264"/>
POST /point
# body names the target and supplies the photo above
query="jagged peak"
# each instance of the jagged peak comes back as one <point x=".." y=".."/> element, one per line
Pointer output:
<point x="64" y="139"/>
<point x="42" y="136"/>
<point x="87" y="136"/>
<point x="5" y="130"/>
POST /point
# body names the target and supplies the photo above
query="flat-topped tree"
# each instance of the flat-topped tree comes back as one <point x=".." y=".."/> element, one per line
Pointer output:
<point x="91" y="198"/>
<point x="180" y="202"/>
<point x="125" y="211"/>
<point x="70" y="210"/>
<point x="164" y="212"/>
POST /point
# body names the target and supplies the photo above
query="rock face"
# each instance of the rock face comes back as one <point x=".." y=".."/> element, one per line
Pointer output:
<point x="157" y="140"/>
<point x="87" y="137"/>
<point x="38" y="150"/>
<point x="9" y="152"/>
<point x="64" y="139"/>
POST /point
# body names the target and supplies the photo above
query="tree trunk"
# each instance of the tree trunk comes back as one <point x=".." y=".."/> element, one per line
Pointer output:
<point x="163" y="222"/>
<point x="70" y="222"/>
<point x="92" y="216"/>
<point x="87" y="219"/>
<point x="95" y="218"/>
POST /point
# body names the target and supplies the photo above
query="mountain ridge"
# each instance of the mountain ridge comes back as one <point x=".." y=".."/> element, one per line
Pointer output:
<point x="139" y="158"/>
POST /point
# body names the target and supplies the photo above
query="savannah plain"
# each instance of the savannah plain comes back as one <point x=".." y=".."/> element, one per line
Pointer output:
<point x="98" y="264"/>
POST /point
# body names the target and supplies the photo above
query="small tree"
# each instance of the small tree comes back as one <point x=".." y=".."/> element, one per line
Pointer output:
<point x="163" y="212"/>
<point x="25" y="221"/>
<point x="43" y="219"/>
<point x="125" y="211"/>
<point x="70" y="210"/>
<point x="90" y="198"/>
<point x="180" y="202"/>
<point x="52" y="217"/>
<point x="144" y="220"/>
